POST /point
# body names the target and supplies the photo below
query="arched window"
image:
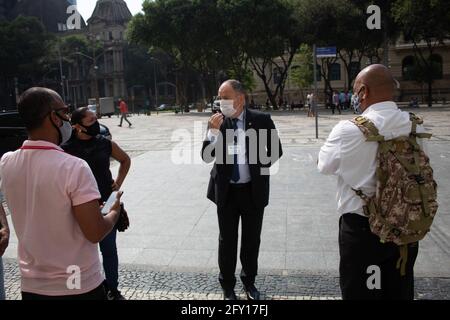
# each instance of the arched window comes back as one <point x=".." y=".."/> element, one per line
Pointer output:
<point x="335" y="72"/>
<point x="436" y="65"/>
<point x="408" y="68"/>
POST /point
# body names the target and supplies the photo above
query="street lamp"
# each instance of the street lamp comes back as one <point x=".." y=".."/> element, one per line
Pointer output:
<point x="94" y="59"/>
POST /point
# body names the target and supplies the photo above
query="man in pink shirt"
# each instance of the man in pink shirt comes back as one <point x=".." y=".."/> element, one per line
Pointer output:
<point x="54" y="204"/>
<point x="124" y="112"/>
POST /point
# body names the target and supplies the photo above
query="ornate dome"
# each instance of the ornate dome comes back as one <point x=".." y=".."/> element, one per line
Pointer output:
<point x="110" y="12"/>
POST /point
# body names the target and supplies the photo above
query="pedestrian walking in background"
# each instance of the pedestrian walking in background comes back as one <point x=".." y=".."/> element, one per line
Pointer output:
<point x="123" y="107"/>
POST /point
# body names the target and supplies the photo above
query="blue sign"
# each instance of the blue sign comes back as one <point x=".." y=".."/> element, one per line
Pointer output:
<point x="326" y="52"/>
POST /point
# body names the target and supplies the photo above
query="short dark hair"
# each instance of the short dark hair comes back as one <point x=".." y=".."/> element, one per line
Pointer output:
<point x="78" y="115"/>
<point x="35" y="104"/>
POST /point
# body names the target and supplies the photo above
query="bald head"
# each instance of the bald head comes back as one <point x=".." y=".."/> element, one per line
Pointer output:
<point x="36" y="103"/>
<point x="374" y="84"/>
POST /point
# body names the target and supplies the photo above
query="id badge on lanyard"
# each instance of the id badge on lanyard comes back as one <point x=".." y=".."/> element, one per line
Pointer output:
<point x="234" y="149"/>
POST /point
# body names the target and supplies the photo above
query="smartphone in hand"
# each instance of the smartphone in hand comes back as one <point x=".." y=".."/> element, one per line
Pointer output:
<point x="109" y="203"/>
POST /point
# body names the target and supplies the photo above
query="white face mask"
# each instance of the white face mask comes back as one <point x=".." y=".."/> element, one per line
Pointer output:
<point x="66" y="131"/>
<point x="227" y="108"/>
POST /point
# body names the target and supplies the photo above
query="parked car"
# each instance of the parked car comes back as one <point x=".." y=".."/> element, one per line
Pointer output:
<point x="13" y="132"/>
<point x="163" y="107"/>
<point x="93" y="108"/>
<point x="215" y="107"/>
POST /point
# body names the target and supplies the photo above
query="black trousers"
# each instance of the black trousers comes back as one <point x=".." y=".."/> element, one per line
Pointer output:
<point x="359" y="250"/>
<point x="96" y="294"/>
<point x="239" y="206"/>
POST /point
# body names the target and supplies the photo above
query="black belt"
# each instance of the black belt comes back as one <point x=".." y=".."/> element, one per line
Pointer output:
<point x="240" y="185"/>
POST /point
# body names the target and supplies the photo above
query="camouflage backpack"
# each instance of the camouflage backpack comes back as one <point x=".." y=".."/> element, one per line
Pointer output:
<point x="404" y="206"/>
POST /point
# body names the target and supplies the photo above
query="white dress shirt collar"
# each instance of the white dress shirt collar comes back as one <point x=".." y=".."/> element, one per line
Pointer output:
<point x="380" y="106"/>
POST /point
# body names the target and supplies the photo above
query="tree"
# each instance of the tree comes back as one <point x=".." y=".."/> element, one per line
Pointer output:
<point x="319" y="25"/>
<point x="265" y="33"/>
<point x="25" y="44"/>
<point x="301" y="73"/>
<point x="433" y="29"/>
<point x="188" y="31"/>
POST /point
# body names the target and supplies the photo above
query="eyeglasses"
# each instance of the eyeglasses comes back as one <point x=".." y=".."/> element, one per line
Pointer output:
<point x="64" y="115"/>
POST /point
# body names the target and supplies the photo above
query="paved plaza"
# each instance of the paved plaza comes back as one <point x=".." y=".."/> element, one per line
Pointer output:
<point x="170" y="250"/>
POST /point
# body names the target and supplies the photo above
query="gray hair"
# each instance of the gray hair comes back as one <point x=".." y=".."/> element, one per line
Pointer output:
<point x="237" y="86"/>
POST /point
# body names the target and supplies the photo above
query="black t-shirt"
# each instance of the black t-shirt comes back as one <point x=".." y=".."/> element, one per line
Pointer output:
<point x="96" y="152"/>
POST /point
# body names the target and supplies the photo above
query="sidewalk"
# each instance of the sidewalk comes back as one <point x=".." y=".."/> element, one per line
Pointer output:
<point x="174" y="228"/>
<point x="143" y="283"/>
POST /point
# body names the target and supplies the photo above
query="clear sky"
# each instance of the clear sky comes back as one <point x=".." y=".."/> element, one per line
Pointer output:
<point x="86" y="7"/>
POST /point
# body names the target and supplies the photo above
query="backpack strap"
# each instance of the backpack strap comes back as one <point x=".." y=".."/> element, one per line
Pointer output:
<point x="424" y="195"/>
<point x="368" y="128"/>
<point x="372" y="134"/>
<point x="415" y="120"/>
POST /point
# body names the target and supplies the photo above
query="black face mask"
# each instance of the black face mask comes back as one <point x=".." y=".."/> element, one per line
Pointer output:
<point x="93" y="130"/>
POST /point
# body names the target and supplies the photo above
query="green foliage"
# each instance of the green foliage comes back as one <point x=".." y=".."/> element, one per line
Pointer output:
<point x="25" y="44"/>
<point x="301" y="73"/>
<point x="434" y="17"/>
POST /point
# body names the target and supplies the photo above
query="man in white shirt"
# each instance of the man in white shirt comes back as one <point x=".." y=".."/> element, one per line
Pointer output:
<point x="347" y="155"/>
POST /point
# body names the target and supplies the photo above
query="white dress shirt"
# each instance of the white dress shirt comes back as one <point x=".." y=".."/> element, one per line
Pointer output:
<point x="348" y="155"/>
<point x="244" y="170"/>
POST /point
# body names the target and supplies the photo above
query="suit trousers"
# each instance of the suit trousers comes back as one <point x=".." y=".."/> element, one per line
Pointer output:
<point x="368" y="267"/>
<point x="239" y="206"/>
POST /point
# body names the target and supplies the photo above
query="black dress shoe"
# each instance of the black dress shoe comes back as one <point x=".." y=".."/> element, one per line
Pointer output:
<point x="229" y="295"/>
<point x="252" y="293"/>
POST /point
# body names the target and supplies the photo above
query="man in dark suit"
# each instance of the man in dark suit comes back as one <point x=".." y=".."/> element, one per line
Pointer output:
<point x="244" y="145"/>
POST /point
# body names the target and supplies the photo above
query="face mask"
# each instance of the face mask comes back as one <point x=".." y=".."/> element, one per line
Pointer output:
<point x="226" y="106"/>
<point x="65" y="131"/>
<point x="93" y="130"/>
<point x="357" y="99"/>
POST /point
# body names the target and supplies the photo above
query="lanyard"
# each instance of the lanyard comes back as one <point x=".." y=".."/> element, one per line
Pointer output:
<point x="39" y="148"/>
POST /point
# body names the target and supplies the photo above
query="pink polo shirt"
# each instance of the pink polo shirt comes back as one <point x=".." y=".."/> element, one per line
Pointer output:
<point x="40" y="189"/>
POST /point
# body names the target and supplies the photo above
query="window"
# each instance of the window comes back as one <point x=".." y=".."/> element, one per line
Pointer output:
<point x="335" y="72"/>
<point x="110" y="35"/>
<point x="408" y="68"/>
<point x="62" y="27"/>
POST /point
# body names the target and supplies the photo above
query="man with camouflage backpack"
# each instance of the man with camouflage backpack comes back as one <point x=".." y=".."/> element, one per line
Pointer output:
<point x="386" y="191"/>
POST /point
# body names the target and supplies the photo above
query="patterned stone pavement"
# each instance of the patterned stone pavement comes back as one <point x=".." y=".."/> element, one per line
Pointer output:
<point x="163" y="260"/>
<point x="144" y="283"/>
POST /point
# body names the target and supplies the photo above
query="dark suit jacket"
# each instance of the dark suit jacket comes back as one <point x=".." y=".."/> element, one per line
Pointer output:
<point x="221" y="172"/>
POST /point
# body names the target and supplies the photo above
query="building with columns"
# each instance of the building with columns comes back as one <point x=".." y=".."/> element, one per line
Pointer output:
<point x="105" y="70"/>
